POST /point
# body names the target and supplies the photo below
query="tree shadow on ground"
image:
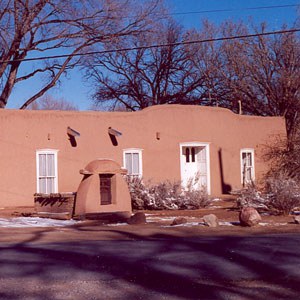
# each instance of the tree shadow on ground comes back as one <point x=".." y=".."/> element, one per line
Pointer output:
<point x="153" y="267"/>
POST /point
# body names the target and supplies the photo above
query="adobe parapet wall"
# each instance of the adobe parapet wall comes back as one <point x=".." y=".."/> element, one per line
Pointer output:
<point x="211" y="115"/>
<point x="161" y="108"/>
<point x="158" y="131"/>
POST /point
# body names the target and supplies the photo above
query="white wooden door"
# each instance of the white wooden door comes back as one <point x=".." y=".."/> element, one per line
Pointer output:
<point x="194" y="167"/>
<point x="202" y="167"/>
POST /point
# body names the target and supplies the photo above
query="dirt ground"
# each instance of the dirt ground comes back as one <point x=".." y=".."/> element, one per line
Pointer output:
<point x="158" y="222"/>
<point x="226" y="211"/>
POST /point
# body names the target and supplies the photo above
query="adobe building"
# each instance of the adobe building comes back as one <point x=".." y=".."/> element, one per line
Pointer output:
<point x="61" y="153"/>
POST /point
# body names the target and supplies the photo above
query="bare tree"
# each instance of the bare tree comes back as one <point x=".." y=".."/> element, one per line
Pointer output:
<point x="33" y="28"/>
<point x="206" y="61"/>
<point x="263" y="73"/>
<point x="146" y="76"/>
<point x="284" y="156"/>
<point x="47" y="102"/>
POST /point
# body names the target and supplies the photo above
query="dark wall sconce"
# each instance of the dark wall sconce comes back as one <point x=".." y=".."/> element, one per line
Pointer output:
<point x="72" y="132"/>
<point x="113" y="134"/>
<point x="158" y="135"/>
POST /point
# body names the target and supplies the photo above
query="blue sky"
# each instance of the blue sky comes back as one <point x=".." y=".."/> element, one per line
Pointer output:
<point x="75" y="90"/>
<point x="275" y="17"/>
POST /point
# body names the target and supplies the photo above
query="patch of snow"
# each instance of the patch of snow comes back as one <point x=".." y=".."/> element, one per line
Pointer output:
<point x="153" y="219"/>
<point x="225" y="223"/>
<point x="166" y="219"/>
<point x="216" y="199"/>
<point x="116" y="224"/>
<point x="263" y="224"/>
<point x="188" y="224"/>
<point x="274" y="224"/>
<point x="35" y="222"/>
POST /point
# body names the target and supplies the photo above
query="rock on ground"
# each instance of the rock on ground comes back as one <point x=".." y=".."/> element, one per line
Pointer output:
<point x="179" y="221"/>
<point x="211" y="220"/>
<point x="249" y="216"/>
<point x="137" y="218"/>
<point x="297" y="219"/>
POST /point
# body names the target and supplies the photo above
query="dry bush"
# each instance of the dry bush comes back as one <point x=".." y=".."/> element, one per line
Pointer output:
<point x="138" y="192"/>
<point x="283" y="157"/>
<point x="280" y="194"/>
<point x="165" y="195"/>
<point x="251" y="196"/>
<point x="282" y="182"/>
<point x="283" y="194"/>
<point x="195" y="199"/>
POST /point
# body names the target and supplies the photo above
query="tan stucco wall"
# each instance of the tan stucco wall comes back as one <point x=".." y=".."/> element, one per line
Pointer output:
<point x="24" y="132"/>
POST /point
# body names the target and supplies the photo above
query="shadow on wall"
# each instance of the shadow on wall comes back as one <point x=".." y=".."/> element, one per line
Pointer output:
<point x="113" y="139"/>
<point x="72" y="140"/>
<point x="226" y="188"/>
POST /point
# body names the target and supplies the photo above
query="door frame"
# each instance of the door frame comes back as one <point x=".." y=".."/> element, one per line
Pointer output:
<point x="182" y="160"/>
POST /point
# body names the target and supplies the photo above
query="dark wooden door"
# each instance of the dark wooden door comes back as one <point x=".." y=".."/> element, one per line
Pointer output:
<point x="105" y="189"/>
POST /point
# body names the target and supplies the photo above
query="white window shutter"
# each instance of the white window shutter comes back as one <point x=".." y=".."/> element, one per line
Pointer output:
<point x="42" y="165"/>
<point x="135" y="164"/>
<point x="50" y="165"/>
<point x="128" y="162"/>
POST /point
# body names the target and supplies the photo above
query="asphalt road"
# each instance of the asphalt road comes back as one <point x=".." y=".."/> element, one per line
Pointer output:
<point x="158" y="266"/>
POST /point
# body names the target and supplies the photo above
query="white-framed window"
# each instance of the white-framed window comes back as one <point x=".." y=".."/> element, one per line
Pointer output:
<point x="247" y="166"/>
<point x="132" y="161"/>
<point x="46" y="169"/>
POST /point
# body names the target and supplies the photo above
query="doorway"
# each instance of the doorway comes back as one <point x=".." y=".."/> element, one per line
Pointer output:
<point x="195" y="170"/>
<point x="105" y="189"/>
